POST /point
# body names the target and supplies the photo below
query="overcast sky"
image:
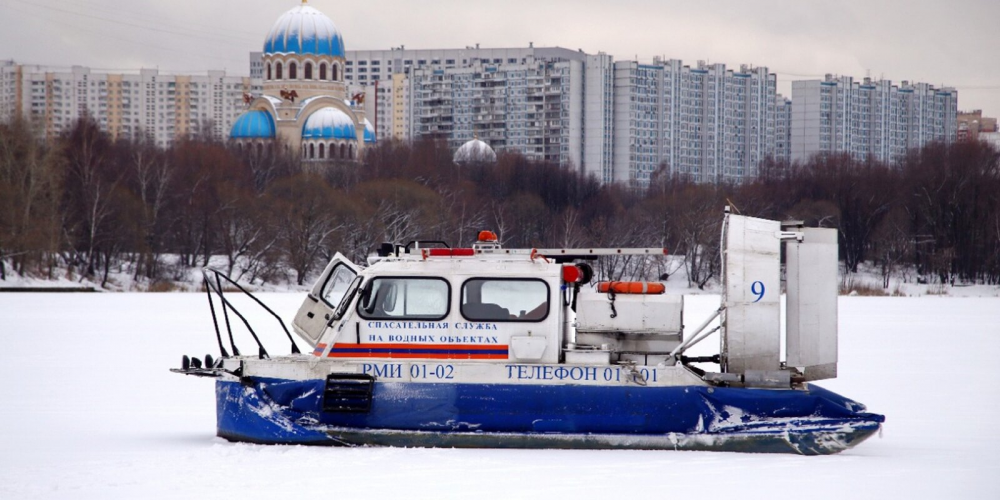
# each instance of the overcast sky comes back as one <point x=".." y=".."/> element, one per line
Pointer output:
<point x="954" y="43"/>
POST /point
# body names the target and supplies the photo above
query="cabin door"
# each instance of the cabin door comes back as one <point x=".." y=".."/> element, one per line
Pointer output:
<point x="323" y="299"/>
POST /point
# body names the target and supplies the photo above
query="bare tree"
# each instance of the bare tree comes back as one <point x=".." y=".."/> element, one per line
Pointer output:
<point x="500" y="218"/>
<point x="30" y="189"/>
<point x="153" y="175"/>
<point x="892" y="243"/>
<point x="93" y="178"/>
<point x="569" y="225"/>
<point x="307" y="216"/>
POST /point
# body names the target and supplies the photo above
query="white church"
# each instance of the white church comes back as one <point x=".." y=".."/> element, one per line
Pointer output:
<point x="305" y="104"/>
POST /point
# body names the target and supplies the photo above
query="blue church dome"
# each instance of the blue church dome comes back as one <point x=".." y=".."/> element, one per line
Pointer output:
<point x="329" y="123"/>
<point x="253" y="125"/>
<point x="370" y="133"/>
<point x="306" y="31"/>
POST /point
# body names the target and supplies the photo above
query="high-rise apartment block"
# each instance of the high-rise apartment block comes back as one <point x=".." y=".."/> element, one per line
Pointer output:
<point x="871" y="119"/>
<point x="619" y="121"/>
<point x="144" y="104"/>
<point x="706" y="123"/>
<point x="9" y="96"/>
<point x="598" y="115"/>
<point x="526" y="100"/>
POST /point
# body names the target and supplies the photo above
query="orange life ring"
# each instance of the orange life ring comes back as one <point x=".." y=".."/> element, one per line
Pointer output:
<point x="631" y="287"/>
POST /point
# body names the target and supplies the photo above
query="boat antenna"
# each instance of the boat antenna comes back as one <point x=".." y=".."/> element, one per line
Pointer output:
<point x="733" y="205"/>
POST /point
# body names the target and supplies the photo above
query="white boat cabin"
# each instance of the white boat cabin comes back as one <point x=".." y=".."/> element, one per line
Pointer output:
<point x="488" y="304"/>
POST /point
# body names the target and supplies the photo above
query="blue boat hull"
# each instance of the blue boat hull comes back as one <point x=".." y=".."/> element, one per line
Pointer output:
<point x="810" y="422"/>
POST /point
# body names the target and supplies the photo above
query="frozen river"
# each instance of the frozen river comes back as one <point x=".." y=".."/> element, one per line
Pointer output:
<point x="89" y="410"/>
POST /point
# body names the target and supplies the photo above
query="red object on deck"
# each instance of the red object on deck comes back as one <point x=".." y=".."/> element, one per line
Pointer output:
<point x="571" y="274"/>
<point x="450" y="252"/>
<point x="631" y="287"/>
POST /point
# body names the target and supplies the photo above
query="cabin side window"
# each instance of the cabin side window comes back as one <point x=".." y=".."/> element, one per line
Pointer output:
<point x="336" y="284"/>
<point x="405" y="298"/>
<point x="505" y="300"/>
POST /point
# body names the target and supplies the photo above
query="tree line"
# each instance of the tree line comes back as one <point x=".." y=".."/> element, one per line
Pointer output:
<point x="89" y="204"/>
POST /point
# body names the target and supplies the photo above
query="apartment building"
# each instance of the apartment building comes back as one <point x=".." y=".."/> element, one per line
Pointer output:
<point x="783" y="128"/>
<point x="598" y="124"/>
<point x="9" y="97"/>
<point x="146" y="103"/>
<point x="518" y="99"/>
<point x="619" y="121"/>
<point x="869" y="119"/>
<point x="548" y="104"/>
<point x="257" y="66"/>
<point x="706" y="122"/>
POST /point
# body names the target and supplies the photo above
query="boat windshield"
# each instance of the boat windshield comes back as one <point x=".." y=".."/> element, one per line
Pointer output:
<point x="405" y="298"/>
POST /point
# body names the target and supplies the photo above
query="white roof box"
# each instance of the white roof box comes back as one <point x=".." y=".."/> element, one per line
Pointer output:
<point x="640" y="314"/>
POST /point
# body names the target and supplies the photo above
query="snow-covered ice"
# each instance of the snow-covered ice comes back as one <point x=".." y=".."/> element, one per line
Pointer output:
<point x="89" y="410"/>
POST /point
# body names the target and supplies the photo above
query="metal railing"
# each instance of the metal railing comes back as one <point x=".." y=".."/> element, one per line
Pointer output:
<point x="215" y="286"/>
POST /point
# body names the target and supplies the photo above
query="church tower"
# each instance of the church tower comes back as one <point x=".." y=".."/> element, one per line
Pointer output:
<point x="305" y="104"/>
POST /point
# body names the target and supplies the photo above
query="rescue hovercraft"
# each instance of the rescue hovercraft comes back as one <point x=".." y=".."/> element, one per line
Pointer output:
<point x="485" y="346"/>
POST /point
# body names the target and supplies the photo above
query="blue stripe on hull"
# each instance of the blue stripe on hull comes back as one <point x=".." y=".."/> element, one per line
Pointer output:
<point x="276" y="411"/>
